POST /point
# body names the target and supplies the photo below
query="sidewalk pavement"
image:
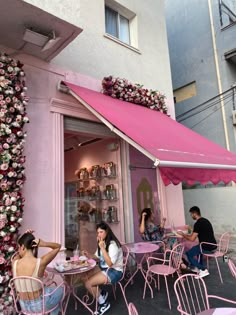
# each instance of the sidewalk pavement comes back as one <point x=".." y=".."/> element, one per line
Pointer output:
<point x="159" y="303"/>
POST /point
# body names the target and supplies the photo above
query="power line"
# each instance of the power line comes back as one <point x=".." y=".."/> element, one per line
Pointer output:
<point x="203" y="109"/>
<point x="208" y="116"/>
<point x="215" y="99"/>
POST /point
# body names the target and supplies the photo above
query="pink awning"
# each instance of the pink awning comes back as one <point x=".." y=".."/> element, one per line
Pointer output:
<point x="180" y="153"/>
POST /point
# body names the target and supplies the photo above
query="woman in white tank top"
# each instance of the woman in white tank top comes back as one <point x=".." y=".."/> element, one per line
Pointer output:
<point x="26" y="263"/>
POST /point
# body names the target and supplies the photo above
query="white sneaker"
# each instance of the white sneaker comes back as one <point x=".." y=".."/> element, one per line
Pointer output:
<point x="195" y="269"/>
<point x="202" y="273"/>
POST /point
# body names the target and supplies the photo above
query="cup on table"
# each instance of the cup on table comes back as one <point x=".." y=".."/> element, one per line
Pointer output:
<point x="76" y="255"/>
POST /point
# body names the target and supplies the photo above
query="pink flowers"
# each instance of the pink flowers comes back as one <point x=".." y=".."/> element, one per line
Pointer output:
<point x="134" y="93"/>
<point x="13" y="102"/>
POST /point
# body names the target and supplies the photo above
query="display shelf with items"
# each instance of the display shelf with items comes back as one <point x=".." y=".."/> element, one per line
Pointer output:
<point x="97" y="193"/>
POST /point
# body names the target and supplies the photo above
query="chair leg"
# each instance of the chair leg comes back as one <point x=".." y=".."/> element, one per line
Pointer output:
<point x="219" y="270"/>
<point x="114" y="290"/>
<point x="158" y="282"/>
<point x="145" y="285"/>
<point x="167" y="290"/>
<point x="123" y="292"/>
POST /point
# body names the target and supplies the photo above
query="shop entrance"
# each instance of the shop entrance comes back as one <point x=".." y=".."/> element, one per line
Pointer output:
<point x="93" y="190"/>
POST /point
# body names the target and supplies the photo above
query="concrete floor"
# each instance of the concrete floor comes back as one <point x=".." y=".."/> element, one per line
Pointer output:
<point x="159" y="304"/>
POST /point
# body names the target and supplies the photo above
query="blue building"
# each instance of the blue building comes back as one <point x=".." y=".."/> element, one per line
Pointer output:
<point x="202" y="48"/>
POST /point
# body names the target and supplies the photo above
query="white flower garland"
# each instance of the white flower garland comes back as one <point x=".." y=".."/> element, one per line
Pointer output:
<point x="13" y="102"/>
<point x="134" y="93"/>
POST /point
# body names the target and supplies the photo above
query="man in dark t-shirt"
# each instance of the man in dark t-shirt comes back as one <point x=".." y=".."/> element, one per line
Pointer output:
<point x="204" y="231"/>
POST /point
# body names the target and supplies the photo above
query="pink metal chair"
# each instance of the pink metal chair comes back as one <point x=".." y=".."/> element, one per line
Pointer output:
<point x="18" y="285"/>
<point x="222" y="248"/>
<point x="125" y="262"/>
<point x="192" y="296"/>
<point x="169" y="265"/>
<point x="232" y="267"/>
<point x="132" y="309"/>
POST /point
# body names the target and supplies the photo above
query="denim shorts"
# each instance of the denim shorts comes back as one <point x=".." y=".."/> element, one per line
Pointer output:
<point x="35" y="306"/>
<point x="113" y="275"/>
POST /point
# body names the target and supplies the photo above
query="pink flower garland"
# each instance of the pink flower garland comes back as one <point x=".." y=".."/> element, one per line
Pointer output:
<point x="13" y="102"/>
<point x="134" y="93"/>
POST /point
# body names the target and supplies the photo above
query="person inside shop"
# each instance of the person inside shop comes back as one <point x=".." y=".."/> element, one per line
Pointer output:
<point x="26" y="263"/>
<point x="109" y="255"/>
<point x="148" y="229"/>
<point x="202" y="230"/>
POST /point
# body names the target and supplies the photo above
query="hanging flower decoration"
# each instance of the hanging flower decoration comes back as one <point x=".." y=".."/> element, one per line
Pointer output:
<point x="13" y="102"/>
<point x="134" y="93"/>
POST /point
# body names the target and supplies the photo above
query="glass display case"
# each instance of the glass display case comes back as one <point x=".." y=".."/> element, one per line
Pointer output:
<point x="98" y="193"/>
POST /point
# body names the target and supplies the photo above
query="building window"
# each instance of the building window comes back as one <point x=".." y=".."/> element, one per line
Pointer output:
<point x="185" y="92"/>
<point x="117" y="25"/>
<point x="227" y="12"/>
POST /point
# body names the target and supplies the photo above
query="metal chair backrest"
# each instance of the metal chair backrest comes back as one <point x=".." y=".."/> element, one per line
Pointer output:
<point x="191" y="294"/>
<point x="232" y="267"/>
<point x="23" y="290"/>
<point x="132" y="309"/>
<point x="18" y="286"/>
<point x="176" y="255"/>
<point x="224" y="243"/>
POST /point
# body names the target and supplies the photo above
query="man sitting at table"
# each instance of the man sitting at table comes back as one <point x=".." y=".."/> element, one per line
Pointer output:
<point x="204" y="231"/>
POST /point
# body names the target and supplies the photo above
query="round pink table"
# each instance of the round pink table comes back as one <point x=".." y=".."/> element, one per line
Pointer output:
<point x="219" y="311"/>
<point x="144" y="248"/>
<point x="70" y="288"/>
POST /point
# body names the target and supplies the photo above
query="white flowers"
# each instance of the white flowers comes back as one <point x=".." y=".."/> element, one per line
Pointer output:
<point x="12" y="229"/>
<point x="13" y="208"/>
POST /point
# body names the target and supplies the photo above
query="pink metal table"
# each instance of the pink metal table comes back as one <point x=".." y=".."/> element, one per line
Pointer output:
<point x="144" y="248"/>
<point x="219" y="311"/>
<point x="70" y="291"/>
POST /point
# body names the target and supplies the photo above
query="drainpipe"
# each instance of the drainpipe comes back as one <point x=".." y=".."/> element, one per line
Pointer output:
<point x="218" y="76"/>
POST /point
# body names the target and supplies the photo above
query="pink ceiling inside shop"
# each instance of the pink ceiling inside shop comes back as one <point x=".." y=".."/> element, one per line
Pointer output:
<point x="165" y="139"/>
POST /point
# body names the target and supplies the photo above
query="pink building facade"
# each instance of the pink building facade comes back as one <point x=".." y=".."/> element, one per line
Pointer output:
<point x="47" y="169"/>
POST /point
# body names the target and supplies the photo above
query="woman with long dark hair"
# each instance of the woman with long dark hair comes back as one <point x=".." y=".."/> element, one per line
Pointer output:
<point x="148" y="229"/>
<point x="109" y="255"/>
<point x="26" y="263"/>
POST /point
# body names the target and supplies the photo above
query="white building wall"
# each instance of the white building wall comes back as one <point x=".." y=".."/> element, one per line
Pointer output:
<point x="218" y="205"/>
<point x="91" y="53"/>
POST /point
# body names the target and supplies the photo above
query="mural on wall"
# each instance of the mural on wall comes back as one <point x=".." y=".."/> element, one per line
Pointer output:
<point x="144" y="194"/>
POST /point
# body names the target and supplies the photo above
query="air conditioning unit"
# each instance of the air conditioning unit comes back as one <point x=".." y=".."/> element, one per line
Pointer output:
<point x="234" y="117"/>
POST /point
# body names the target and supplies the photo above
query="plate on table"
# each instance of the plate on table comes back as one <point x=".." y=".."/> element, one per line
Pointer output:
<point x="61" y="267"/>
<point x="183" y="231"/>
<point x="83" y="264"/>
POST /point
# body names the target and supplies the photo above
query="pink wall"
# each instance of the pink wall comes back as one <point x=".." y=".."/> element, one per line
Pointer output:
<point x="42" y="80"/>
